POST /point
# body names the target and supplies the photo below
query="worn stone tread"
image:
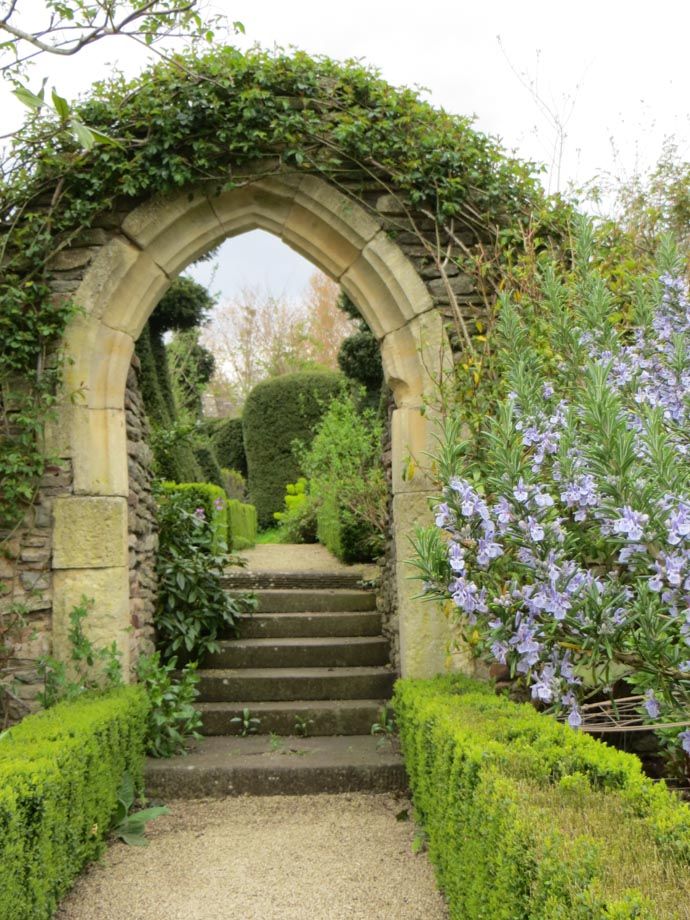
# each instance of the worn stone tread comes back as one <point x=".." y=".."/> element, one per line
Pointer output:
<point x="223" y="766"/>
<point x="291" y="652"/>
<point x="216" y="684"/>
<point x="322" y="717"/>
<point x="310" y="623"/>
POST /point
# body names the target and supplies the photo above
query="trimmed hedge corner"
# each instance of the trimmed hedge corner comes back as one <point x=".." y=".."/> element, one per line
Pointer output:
<point x="205" y="495"/>
<point x="60" y="772"/>
<point x="278" y="412"/>
<point x="242" y="524"/>
<point x="527" y="818"/>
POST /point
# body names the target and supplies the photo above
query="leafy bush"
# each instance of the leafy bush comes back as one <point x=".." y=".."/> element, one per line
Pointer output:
<point x="241" y="524"/>
<point x="207" y="501"/>
<point x="228" y="441"/>
<point x="60" y="772"/>
<point x="277" y="413"/>
<point x="172" y="718"/>
<point x="347" y="480"/>
<point x="298" y="521"/>
<point x="192" y="607"/>
<point x="527" y="818"/>
<point x="565" y="546"/>
<point x="359" y="359"/>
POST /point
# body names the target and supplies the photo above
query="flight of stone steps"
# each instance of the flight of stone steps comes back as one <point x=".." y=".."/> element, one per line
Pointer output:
<point x="312" y="667"/>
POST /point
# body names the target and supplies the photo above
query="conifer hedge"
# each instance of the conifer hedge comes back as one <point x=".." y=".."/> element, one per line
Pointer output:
<point x="277" y="413"/>
<point x="228" y="441"/>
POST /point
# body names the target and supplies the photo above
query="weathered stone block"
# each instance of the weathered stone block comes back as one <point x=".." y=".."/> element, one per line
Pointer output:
<point x="108" y="620"/>
<point x="424" y="632"/>
<point x="385" y="287"/>
<point x="175" y="230"/>
<point x="90" y="532"/>
<point x="100" y="358"/>
<point x="121" y="287"/>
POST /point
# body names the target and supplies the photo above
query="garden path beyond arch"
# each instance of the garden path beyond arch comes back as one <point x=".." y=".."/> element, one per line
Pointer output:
<point x="126" y="276"/>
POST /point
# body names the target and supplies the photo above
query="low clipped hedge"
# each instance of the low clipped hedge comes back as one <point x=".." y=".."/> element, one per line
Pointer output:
<point x="60" y="772"/>
<point x="242" y="524"/>
<point x="212" y="499"/>
<point x="228" y="442"/>
<point x="347" y="538"/>
<point x="277" y="413"/>
<point x="527" y="818"/>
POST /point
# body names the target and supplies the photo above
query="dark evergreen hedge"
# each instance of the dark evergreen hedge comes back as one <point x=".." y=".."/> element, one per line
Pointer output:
<point x="278" y="412"/>
<point x="227" y="436"/>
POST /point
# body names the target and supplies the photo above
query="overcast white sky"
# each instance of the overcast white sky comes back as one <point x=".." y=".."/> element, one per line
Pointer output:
<point x="616" y="69"/>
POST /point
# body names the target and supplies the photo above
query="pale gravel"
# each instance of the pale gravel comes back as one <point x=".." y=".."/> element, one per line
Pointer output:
<point x="300" y="557"/>
<point x="325" y="857"/>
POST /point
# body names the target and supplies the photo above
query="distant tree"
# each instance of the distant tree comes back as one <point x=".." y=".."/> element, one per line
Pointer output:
<point x="259" y="335"/>
<point x="191" y="368"/>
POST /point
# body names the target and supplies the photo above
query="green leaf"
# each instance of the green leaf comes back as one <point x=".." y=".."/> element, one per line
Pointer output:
<point x="28" y="98"/>
<point x="61" y="106"/>
<point x="83" y="134"/>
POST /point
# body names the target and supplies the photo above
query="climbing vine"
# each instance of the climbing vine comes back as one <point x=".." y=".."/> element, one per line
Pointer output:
<point x="207" y="118"/>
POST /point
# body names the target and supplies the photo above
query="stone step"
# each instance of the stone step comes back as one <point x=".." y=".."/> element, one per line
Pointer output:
<point x="320" y="717"/>
<point x="266" y="684"/>
<point x="335" y="600"/>
<point x="360" y="651"/>
<point x="294" y="625"/>
<point x="225" y="766"/>
<point x="247" y="581"/>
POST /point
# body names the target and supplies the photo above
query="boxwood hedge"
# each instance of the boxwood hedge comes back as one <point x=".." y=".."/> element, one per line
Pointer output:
<point x="60" y="772"/>
<point x="526" y="818"/>
<point x="227" y="437"/>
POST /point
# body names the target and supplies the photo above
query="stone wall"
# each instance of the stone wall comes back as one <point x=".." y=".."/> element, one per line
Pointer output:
<point x="27" y="579"/>
<point x="26" y="598"/>
<point x="386" y="595"/>
<point x="143" y="532"/>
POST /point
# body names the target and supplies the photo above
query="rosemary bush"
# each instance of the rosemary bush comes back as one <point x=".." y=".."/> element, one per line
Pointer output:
<point x="563" y="544"/>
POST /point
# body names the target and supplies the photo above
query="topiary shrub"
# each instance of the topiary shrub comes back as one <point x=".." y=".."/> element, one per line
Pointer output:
<point x="298" y="521"/>
<point x="235" y="484"/>
<point x="277" y="413"/>
<point x="228" y="442"/>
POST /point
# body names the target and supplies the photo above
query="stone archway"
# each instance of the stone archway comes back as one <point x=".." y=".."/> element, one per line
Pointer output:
<point x="122" y="277"/>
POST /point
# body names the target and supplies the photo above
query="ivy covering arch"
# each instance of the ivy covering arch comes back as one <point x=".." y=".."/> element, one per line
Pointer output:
<point x="387" y="194"/>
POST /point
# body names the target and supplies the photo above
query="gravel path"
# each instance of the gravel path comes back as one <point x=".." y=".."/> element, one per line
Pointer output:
<point x="339" y="857"/>
<point x="299" y="557"/>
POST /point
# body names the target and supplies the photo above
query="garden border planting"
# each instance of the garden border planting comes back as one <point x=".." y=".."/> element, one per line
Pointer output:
<point x="60" y="772"/>
<point x="497" y="788"/>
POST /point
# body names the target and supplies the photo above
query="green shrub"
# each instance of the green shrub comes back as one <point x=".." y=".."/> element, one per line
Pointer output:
<point x="298" y="520"/>
<point x="172" y="718"/>
<point x="212" y="499"/>
<point x="60" y="772"/>
<point x="347" y="479"/>
<point x="192" y="607"/>
<point x="242" y="525"/>
<point x="527" y="818"/>
<point x="228" y="441"/>
<point x="277" y="413"/>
